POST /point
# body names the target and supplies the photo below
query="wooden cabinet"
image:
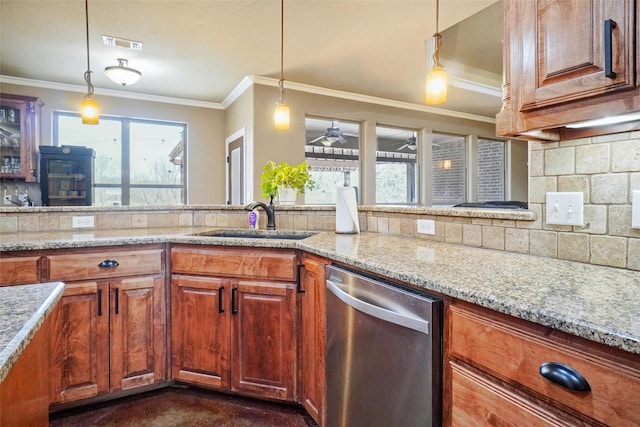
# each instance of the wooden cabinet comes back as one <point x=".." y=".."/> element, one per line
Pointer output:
<point x="312" y="337"/>
<point x="23" y="392"/>
<point x="18" y="124"/>
<point x="109" y="334"/>
<point x="494" y="366"/>
<point x="567" y="62"/>
<point x="19" y="269"/>
<point x="201" y="330"/>
<point x="263" y="339"/>
<point x="234" y="319"/>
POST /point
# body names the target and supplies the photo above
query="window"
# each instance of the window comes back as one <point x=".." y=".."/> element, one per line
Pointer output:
<point x="396" y="166"/>
<point x="491" y="170"/>
<point x="449" y="170"/>
<point x="332" y="151"/>
<point x="138" y="162"/>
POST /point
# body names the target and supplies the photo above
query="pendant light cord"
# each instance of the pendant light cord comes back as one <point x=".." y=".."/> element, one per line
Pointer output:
<point x="281" y="82"/>
<point x="87" y="74"/>
<point x="438" y="37"/>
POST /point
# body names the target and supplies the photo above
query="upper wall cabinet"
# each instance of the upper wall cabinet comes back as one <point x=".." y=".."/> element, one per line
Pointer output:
<point x="568" y="61"/>
<point x="18" y="117"/>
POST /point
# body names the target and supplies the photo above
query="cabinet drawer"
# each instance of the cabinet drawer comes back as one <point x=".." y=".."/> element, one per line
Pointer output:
<point x="19" y="270"/>
<point x="478" y="401"/>
<point x="513" y="350"/>
<point x="235" y="262"/>
<point x="82" y="266"/>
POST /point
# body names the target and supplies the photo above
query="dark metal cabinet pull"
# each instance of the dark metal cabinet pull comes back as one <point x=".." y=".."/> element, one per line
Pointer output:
<point x="299" y="282"/>
<point x="220" y="307"/>
<point x="117" y="297"/>
<point x="565" y="376"/>
<point x="609" y="26"/>
<point x="234" y="308"/>
<point x="109" y="263"/>
<point x="99" y="302"/>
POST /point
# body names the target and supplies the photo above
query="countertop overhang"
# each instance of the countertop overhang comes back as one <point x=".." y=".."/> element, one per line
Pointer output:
<point x="598" y="303"/>
<point x="23" y="310"/>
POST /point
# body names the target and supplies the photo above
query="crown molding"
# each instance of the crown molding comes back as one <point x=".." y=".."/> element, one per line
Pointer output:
<point x="301" y="87"/>
<point x="248" y="81"/>
<point x="109" y="92"/>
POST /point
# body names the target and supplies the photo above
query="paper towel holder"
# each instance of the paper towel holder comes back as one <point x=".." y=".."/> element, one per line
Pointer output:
<point x="347" y="221"/>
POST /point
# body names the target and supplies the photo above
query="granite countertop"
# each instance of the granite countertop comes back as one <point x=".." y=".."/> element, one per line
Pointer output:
<point x="598" y="303"/>
<point x="23" y="310"/>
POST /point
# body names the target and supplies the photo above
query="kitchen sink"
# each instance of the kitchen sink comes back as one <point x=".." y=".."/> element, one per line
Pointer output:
<point x="257" y="234"/>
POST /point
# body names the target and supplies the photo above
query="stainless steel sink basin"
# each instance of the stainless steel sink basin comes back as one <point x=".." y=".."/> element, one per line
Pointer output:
<point x="258" y="234"/>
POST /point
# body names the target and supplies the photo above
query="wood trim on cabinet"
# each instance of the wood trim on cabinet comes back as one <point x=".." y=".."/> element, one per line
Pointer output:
<point x="250" y="263"/>
<point x="19" y="270"/>
<point x="72" y="265"/>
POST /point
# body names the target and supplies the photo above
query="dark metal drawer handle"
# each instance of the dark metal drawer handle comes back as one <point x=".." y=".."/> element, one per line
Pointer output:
<point x="299" y="280"/>
<point x="99" y="302"/>
<point x="564" y="376"/>
<point x="234" y="301"/>
<point x="108" y="263"/>
<point x="220" y="306"/>
<point x="609" y="26"/>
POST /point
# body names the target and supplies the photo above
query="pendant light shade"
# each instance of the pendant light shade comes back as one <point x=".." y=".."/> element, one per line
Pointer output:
<point x="281" y="116"/>
<point x="281" y="113"/>
<point x="89" y="111"/>
<point x="88" y="107"/>
<point x="122" y="74"/>
<point x="436" y="85"/>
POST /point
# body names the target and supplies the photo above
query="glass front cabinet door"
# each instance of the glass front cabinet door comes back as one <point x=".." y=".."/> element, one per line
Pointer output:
<point x="18" y="117"/>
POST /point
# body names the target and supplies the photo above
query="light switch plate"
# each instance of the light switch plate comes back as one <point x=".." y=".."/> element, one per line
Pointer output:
<point x="635" y="209"/>
<point x="565" y="208"/>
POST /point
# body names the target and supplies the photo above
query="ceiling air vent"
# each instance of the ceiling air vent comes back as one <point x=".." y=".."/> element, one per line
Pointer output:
<point x="127" y="44"/>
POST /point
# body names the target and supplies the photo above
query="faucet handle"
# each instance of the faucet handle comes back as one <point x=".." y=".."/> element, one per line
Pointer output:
<point x="270" y="199"/>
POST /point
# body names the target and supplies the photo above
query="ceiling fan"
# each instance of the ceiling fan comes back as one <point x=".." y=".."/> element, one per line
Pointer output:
<point x="331" y="136"/>
<point x="411" y="144"/>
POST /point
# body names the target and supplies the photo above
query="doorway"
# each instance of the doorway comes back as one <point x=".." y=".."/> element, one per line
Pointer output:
<point x="235" y="171"/>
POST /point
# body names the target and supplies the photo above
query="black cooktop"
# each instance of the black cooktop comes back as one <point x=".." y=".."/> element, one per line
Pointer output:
<point x="494" y="205"/>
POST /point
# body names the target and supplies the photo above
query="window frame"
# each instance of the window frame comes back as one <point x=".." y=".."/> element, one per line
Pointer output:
<point x="125" y="185"/>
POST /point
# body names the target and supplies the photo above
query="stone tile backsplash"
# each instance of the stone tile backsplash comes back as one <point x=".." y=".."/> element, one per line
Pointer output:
<point x="605" y="169"/>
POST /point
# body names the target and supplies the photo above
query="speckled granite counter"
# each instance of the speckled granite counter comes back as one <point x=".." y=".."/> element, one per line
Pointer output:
<point x="598" y="303"/>
<point x="23" y="309"/>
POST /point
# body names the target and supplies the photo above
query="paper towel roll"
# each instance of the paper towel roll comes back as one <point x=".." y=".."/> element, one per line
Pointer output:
<point x="346" y="211"/>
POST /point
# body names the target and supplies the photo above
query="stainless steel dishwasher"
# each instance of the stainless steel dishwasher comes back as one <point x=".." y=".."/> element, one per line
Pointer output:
<point x="384" y="347"/>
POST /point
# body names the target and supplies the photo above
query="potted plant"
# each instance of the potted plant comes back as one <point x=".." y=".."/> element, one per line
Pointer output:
<point x="285" y="181"/>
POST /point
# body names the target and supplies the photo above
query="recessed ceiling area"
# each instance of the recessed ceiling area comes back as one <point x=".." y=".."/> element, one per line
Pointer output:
<point x="200" y="50"/>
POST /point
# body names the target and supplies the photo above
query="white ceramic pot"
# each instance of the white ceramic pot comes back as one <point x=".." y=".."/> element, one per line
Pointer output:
<point x="287" y="195"/>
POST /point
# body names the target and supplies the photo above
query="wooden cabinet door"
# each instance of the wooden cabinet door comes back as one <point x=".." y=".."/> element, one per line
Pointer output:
<point x="477" y="401"/>
<point x="563" y="50"/>
<point x="137" y="336"/>
<point x="19" y="118"/>
<point x="79" y="343"/>
<point x="200" y="327"/>
<point x="312" y="337"/>
<point x="263" y="339"/>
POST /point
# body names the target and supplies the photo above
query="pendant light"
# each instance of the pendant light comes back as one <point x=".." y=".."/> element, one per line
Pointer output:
<point x="88" y="107"/>
<point x="436" y="87"/>
<point x="281" y="113"/>
<point x="122" y="74"/>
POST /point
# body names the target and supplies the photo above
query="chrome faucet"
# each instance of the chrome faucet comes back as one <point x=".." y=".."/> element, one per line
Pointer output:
<point x="270" y="210"/>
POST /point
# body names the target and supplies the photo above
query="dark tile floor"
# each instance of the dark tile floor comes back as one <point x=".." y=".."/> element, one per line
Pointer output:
<point x="184" y="407"/>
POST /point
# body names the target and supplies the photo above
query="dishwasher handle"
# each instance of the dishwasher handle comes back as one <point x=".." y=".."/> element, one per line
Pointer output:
<point x="400" y="319"/>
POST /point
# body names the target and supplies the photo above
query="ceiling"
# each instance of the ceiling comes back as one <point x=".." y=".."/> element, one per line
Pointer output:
<point x="200" y="50"/>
